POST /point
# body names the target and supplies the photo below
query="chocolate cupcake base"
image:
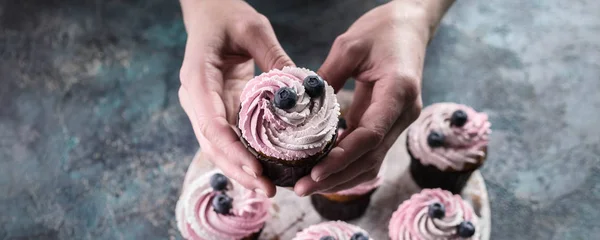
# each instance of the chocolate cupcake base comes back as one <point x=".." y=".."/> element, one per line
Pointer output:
<point x="432" y="177"/>
<point x="254" y="236"/>
<point x="345" y="211"/>
<point x="428" y="176"/>
<point x="286" y="173"/>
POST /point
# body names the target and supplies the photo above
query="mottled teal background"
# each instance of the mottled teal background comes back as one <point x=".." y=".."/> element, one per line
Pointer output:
<point x="94" y="145"/>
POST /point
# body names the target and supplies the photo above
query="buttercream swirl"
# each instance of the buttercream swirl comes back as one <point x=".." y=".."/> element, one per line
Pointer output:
<point x="292" y="134"/>
<point x="197" y="220"/>
<point x="412" y="222"/>
<point x="337" y="229"/>
<point x="462" y="145"/>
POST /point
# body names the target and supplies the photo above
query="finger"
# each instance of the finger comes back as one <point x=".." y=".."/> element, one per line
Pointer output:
<point x="306" y="186"/>
<point x="218" y="132"/>
<point x="257" y="37"/>
<point x="343" y="59"/>
<point x="364" y="177"/>
<point x="259" y="184"/>
<point x="386" y="105"/>
<point x="360" y="103"/>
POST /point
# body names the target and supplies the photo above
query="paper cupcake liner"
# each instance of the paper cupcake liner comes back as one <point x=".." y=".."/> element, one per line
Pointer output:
<point x="345" y="211"/>
<point x="254" y="236"/>
<point x="285" y="173"/>
<point x="429" y="176"/>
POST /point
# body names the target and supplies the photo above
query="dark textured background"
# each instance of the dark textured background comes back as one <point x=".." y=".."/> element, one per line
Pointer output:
<point x="93" y="143"/>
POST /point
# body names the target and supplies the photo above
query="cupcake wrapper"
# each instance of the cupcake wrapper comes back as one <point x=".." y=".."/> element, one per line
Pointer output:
<point x="429" y="176"/>
<point x="432" y="177"/>
<point x="254" y="236"/>
<point x="286" y="173"/>
<point x="344" y="211"/>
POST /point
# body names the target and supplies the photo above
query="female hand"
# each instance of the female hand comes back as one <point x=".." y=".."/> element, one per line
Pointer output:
<point x="384" y="51"/>
<point x="225" y="39"/>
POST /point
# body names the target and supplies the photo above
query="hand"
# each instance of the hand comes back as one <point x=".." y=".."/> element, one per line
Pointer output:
<point x="384" y="51"/>
<point x="225" y="37"/>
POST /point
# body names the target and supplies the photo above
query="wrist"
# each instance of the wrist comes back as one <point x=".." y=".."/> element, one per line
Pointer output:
<point x="426" y="14"/>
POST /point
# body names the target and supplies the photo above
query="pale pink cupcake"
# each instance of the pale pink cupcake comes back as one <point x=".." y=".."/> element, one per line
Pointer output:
<point x="434" y="214"/>
<point x="213" y="207"/>
<point x="288" y="120"/>
<point x="447" y="143"/>
<point x="335" y="230"/>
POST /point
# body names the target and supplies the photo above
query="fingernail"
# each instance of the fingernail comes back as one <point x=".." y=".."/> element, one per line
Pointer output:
<point x="260" y="192"/>
<point x="322" y="177"/>
<point x="249" y="171"/>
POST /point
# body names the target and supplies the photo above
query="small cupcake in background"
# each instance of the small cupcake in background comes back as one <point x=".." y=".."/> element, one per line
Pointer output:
<point x="434" y="214"/>
<point x="288" y="120"/>
<point x="335" y="230"/>
<point x="214" y="208"/>
<point x="447" y="143"/>
<point x="347" y="204"/>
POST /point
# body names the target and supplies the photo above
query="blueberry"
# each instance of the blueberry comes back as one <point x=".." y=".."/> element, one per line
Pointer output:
<point x="285" y="98"/>
<point x="359" y="236"/>
<point x="342" y="123"/>
<point x="459" y="118"/>
<point x="222" y="203"/>
<point x="219" y="182"/>
<point x="437" y="210"/>
<point x="314" y="86"/>
<point x="465" y="229"/>
<point x="435" y="139"/>
<point x="327" y="238"/>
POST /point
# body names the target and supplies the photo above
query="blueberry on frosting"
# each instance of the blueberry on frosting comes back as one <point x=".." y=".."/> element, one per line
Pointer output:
<point x="359" y="236"/>
<point x="222" y="203"/>
<point x="435" y="139"/>
<point x="314" y="86"/>
<point x="458" y="118"/>
<point x="437" y="210"/>
<point x="285" y="98"/>
<point x="465" y="229"/>
<point x="218" y="182"/>
<point x="327" y="238"/>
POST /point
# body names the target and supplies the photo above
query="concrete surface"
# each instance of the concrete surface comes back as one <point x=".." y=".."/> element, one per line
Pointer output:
<point x="93" y="143"/>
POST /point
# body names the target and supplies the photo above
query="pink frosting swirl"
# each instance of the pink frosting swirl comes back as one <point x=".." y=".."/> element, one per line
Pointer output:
<point x="412" y="222"/>
<point x="292" y="134"/>
<point x="461" y="144"/>
<point x="337" y="229"/>
<point x="197" y="220"/>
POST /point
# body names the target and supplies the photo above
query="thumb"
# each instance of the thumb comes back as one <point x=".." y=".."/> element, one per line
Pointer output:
<point x="341" y="63"/>
<point x="259" y="40"/>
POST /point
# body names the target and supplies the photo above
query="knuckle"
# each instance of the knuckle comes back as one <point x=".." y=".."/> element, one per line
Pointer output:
<point x="185" y="76"/>
<point x="375" y="136"/>
<point x="409" y="86"/>
<point x="256" y="24"/>
<point x="349" y="45"/>
<point x="277" y="57"/>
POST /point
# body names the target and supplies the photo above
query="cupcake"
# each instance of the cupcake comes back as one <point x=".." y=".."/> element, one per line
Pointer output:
<point x="434" y="214"/>
<point x="347" y="204"/>
<point x="446" y="144"/>
<point x="214" y="208"/>
<point x="288" y="120"/>
<point x="335" y="230"/>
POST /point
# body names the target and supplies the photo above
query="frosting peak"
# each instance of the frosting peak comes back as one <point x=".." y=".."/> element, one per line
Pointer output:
<point x="450" y="146"/>
<point x="291" y="134"/>
<point x="197" y="220"/>
<point x="337" y="229"/>
<point x="412" y="221"/>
